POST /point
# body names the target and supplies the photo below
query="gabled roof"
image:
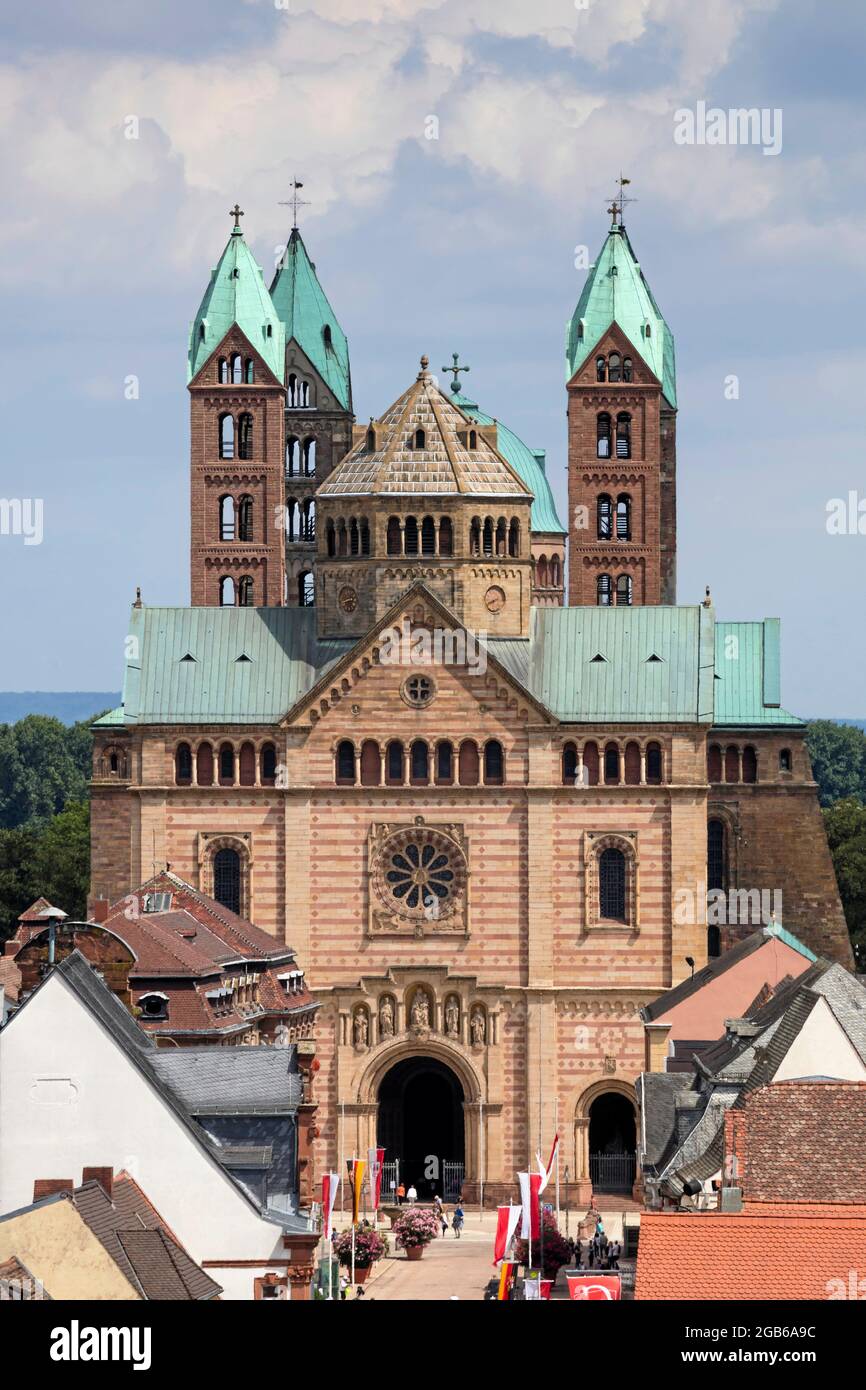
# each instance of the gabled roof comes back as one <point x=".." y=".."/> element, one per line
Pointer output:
<point x="446" y="464"/>
<point x="237" y="295"/>
<point x="309" y="320"/>
<point x="231" y="1080"/>
<point x="616" y="291"/>
<point x="748" y="675"/>
<point x="719" y="966"/>
<point x="528" y="463"/>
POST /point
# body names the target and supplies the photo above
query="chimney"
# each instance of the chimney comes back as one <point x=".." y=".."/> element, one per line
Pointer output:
<point x="104" y="1176"/>
<point x="47" y="1187"/>
<point x="100" y="908"/>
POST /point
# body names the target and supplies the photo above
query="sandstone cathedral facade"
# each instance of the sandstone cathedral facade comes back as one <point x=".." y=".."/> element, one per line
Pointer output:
<point x="486" y="821"/>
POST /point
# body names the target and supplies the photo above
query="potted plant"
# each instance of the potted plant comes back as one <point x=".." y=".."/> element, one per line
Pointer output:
<point x="414" y="1229"/>
<point x="369" y="1247"/>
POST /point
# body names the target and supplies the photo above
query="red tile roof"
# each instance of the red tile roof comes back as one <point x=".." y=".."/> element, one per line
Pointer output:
<point x="778" y="1251"/>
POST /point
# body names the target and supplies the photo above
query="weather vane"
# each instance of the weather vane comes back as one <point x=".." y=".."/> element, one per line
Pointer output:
<point x="455" y="371"/>
<point x="295" y="202"/>
<point x="617" y="207"/>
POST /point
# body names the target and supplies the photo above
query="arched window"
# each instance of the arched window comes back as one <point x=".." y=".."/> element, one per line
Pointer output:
<point x="428" y="536"/>
<point x="611" y="764"/>
<point x="227" y="592"/>
<point x="342" y="538"/>
<point x="345" y="763"/>
<point x="247" y="765"/>
<point x="394" y="763"/>
<point x="604" y="517"/>
<point x="326" y="334"/>
<point x="330" y="539"/>
<point x="632" y="764"/>
<point x="555" y="573"/>
<point x="245" y="591"/>
<point x="602" y="435"/>
<point x="223" y="372"/>
<point x="410" y="536"/>
<point x="245" y="436"/>
<point x="542" y="577"/>
<point x="714" y="763"/>
<point x="623" y="435"/>
<point x="732" y="764"/>
<point x="419" y="765"/>
<point x="654" y="763"/>
<point x="245" y="519"/>
<point x="293" y="456"/>
<point x="268" y="765"/>
<point x="717" y="856"/>
<point x="371" y="763"/>
<point x="611" y="885"/>
<point x="750" y="764"/>
<point x="623" y="517"/>
<point x="467" y="763"/>
<point x="494" y="763"/>
<point x="569" y="764"/>
<point x="183" y="765"/>
<point x="600" y="369"/>
<point x="647" y="330"/>
<point x="227" y="879"/>
<point x="514" y="538"/>
<point x="446" y="536"/>
<point x="444" y="763"/>
<point x="226" y="437"/>
<point x="475" y="536"/>
<point x="227" y="519"/>
<point x="473" y="439"/>
<point x="591" y="762"/>
<point x="306" y="589"/>
<point x="501" y="536"/>
<point x="614" y="367"/>
<point x="393" y="540"/>
<point x="292" y="389"/>
<point x="249" y="371"/>
<point x="365" y="536"/>
<point x="624" y="590"/>
<point x="227" y="765"/>
<point x="204" y="765"/>
<point x="603" y="591"/>
<point x="310" y="457"/>
<point x="785" y="760"/>
<point x="371" y="438"/>
<point x="237" y="369"/>
<point x="626" y="369"/>
<point x="308" y="522"/>
<point x="714" y="942"/>
<point x="113" y="763"/>
<point x="487" y="536"/>
<point x="420" y="439"/>
<point x="354" y="538"/>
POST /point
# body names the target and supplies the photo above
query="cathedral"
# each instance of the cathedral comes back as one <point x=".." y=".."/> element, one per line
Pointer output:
<point x="491" y="823"/>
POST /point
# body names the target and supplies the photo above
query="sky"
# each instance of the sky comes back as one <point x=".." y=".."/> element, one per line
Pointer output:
<point x="465" y="242"/>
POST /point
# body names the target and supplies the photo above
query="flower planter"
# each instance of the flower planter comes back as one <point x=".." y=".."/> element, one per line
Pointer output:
<point x="362" y="1273"/>
<point x="414" y="1252"/>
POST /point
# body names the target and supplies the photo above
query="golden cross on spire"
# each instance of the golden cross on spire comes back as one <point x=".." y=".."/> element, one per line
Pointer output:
<point x="295" y="202"/>
<point x="617" y="207"/>
<point x="236" y="213"/>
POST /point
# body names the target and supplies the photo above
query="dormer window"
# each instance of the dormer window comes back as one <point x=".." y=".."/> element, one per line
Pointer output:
<point x="156" y="902"/>
<point x="420" y="439"/>
<point x="371" y="438"/>
<point x="326" y="334"/>
<point x="473" y="439"/>
<point x="154" y="1006"/>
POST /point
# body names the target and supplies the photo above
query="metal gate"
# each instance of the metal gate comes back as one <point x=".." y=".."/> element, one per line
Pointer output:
<point x="390" y="1180"/>
<point x="452" y="1180"/>
<point x="612" y="1172"/>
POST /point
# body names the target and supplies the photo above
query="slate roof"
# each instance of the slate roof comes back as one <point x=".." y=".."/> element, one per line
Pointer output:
<point x="237" y="295"/>
<point x="529" y="463"/>
<point x="616" y="291"/>
<point x="775" y="1252"/>
<point x="657" y="1093"/>
<point x="231" y="1080"/>
<point x="445" y="465"/>
<point x="306" y="313"/>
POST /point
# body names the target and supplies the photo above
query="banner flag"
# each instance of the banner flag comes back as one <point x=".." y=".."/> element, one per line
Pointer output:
<point x="530" y="1184"/>
<point x="330" y="1188"/>
<point x="506" y="1224"/>
<point x="375" y="1160"/>
<point x="356" y="1168"/>
<point x="587" y="1286"/>
<point x="547" y="1173"/>
<point x="506" y="1279"/>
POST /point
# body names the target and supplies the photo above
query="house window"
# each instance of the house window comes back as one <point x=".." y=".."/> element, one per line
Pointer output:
<point x="785" y="761"/>
<point x="345" y="762"/>
<point x="245" y="519"/>
<point x="623" y="517"/>
<point x="624" y="590"/>
<point x="227" y="879"/>
<point x="245" y="592"/>
<point x="153" y="1006"/>
<point x="604" y="516"/>
<point x="611" y="885"/>
<point x="717" y="866"/>
<point x="603" y="591"/>
<point x="183" y="765"/>
<point x="654" y="763"/>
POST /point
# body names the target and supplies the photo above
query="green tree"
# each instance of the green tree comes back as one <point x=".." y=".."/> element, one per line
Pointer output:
<point x="43" y="764"/>
<point x="846" y="834"/>
<point x="838" y="753"/>
<point x="50" y="861"/>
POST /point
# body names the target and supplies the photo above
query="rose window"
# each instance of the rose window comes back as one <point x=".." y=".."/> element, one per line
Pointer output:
<point x="420" y="874"/>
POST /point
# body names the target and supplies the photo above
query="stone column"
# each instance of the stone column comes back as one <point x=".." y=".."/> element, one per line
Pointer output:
<point x="643" y="767"/>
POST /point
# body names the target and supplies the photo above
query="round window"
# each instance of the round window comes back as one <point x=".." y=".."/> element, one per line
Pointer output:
<point x="418" y="690"/>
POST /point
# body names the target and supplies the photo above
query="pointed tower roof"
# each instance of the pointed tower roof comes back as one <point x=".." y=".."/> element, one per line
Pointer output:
<point x="237" y="295"/>
<point x="617" y="292"/>
<point x="444" y="464"/>
<point x="309" y="319"/>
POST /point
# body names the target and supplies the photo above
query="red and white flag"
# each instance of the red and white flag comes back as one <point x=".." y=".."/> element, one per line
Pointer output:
<point x="530" y="1226"/>
<point x="375" y="1160"/>
<point x="548" y="1172"/>
<point x="330" y="1188"/>
<point x="506" y="1224"/>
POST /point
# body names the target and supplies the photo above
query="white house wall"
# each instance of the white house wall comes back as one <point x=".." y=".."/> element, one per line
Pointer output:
<point x="821" y="1049"/>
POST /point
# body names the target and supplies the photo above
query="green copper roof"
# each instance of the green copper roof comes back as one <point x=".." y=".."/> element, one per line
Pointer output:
<point x="617" y="292"/>
<point x="307" y="317"/>
<point x="111" y="719"/>
<point x="527" y="463"/>
<point x="237" y="294"/>
<point x="748" y="684"/>
<point x="619" y="665"/>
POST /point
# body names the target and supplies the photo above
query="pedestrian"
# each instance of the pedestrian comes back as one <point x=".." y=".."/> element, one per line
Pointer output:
<point x="437" y="1202"/>
<point x="412" y="1195"/>
<point x="401" y="1193"/>
<point x="614" y="1252"/>
<point x="457" y="1219"/>
<point x="443" y="1219"/>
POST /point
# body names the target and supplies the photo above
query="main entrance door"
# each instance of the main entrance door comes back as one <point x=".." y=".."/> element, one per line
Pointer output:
<point x="611" y="1143"/>
<point x="421" y="1124"/>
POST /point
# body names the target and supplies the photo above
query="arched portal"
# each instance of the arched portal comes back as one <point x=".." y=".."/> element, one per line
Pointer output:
<point x="421" y="1123"/>
<point x="612" y="1143"/>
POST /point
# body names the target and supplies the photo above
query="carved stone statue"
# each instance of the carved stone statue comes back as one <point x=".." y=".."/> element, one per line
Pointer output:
<point x="478" y="1027"/>
<point x="421" y="1010"/>
<point x="452" y="1018"/>
<point x="386" y="1018"/>
<point x="361" y="1028"/>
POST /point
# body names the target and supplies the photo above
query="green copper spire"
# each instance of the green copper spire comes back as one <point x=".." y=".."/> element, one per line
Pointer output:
<point x="617" y="292"/>
<point x="237" y="295"/>
<point x="307" y="317"/>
